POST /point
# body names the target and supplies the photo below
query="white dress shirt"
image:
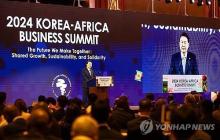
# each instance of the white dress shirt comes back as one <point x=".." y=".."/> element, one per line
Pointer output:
<point x="183" y="57"/>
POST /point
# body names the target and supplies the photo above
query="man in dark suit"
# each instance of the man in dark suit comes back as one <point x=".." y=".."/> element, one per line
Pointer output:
<point x="87" y="74"/>
<point x="144" y="127"/>
<point x="101" y="111"/>
<point x="184" y="62"/>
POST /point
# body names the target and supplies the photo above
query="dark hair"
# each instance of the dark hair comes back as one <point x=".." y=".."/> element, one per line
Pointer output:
<point x="145" y="105"/>
<point x="41" y="98"/>
<point x="21" y="105"/>
<point x="170" y="97"/>
<point x="185" y="35"/>
<point x="10" y="112"/>
<point x="184" y="115"/>
<point x="100" y="111"/>
<point x="62" y="101"/>
<point x="92" y="98"/>
<point x="72" y="112"/>
<point x="2" y="97"/>
<point x="43" y="106"/>
<point x="76" y="101"/>
<point x="122" y="102"/>
<point x="207" y="107"/>
<point x="39" y="119"/>
<point x="217" y="102"/>
<point x="51" y="100"/>
<point x="150" y="96"/>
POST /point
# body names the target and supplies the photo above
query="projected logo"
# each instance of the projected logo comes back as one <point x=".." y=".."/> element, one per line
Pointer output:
<point x="61" y="85"/>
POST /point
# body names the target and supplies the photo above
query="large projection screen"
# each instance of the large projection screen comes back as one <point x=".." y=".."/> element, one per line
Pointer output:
<point x="40" y="44"/>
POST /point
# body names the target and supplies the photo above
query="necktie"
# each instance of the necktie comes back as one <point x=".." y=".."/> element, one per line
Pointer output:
<point x="184" y="64"/>
<point x="90" y="73"/>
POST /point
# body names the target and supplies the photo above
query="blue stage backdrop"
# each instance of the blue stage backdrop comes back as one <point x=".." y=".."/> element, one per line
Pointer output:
<point x="42" y="44"/>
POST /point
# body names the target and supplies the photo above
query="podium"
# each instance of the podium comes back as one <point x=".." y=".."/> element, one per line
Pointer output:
<point x="184" y="83"/>
<point x="100" y="86"/>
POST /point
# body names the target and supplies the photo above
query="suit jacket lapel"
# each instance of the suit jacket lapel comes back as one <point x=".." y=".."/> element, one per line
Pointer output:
<point x="187" y="63"/>
<point x="180" y="63"/>
<point x="87" y="72"/>
<point x="92" y="73"/>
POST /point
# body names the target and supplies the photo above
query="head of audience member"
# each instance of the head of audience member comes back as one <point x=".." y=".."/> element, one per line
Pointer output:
<point x="10" y="112"/>
<point x="170" y="98"/>
<point x="184" y="43"/>
<point x="216" y="116"/>
<point x="39" y="119"/>
<point x="206" y="107"/>
<point x="183" y="116"/>
<point x="101" y="110"/>
<point x="62" y="101"/>
<point x="75" y="101"/>
<point x="72" y="112"/>
<point x="189" y="99"/>
<point x="171" y="102"/>
<point x="41" y="98"/>
<point x="51" y="100"/>
<point x="159" y="103"/>
<point x="194" y="92"/>
<point x="2" y="102"/>
<point x="150" y="96"/>
<point x="2" y="98"/>
<point x="51" y="103"/>
<point x="217" y="102"/>
<point x="44" y="106"/>
<point x="198" y="98"/>
<point x="92" y="98"/>
<point x="123" y="102"/>
<point x="85" y="126"/>
<point x="145" y="106"/>
<point x="21" y="105"/>
<point x="17" y="128"/>
<point x="115" y="103"/>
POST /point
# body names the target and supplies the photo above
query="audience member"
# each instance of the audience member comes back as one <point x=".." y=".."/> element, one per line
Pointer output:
<point x="59" y="112"/>
<point x="217" y="102"/>
<point x="150" y="96"/>
<point x="51" y="103"/>
<point x="15" y="130"/>
<point x="3" y="122"/>
<point x="40" y="123"/>
<point x="134" y="131"/>
<point x="190" y="99"/>
<point x="41" y="98"/>
<point x="121" y="114"/>
<point x="156" y="113"/>
<point x="10" y="112"/>
<point x="85" y="127"/>
<point x="100" y="111"/>
<point x="185" y="115"/>
<point x="64" y="119"/>
<point x="22" y="108"/>
<point x="2" y="101"/>
<point x="91" y="100"/>
<point x="72" y="112"/>
<point x="170" y="99"/>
